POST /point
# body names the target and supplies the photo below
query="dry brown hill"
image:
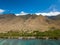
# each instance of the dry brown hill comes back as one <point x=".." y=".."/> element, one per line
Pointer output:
<point x="27" y="23"/>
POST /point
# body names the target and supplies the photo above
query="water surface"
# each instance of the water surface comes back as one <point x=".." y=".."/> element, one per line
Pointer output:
<point x="29" y="42"/>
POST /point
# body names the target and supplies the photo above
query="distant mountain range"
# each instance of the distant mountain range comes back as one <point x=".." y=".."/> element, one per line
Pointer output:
<point x="28" y="22"/>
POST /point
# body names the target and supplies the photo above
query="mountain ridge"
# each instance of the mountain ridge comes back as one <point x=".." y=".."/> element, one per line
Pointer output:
<point x="27" y="22"/>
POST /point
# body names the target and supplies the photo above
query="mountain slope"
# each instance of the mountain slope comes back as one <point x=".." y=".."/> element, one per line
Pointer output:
<point x="26" y="23"/>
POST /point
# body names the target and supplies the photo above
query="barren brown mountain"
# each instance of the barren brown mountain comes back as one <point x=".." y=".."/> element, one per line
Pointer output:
<point x="27" y="22"/>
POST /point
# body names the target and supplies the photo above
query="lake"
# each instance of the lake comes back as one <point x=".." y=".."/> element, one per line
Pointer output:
<point x="28" y="42"/>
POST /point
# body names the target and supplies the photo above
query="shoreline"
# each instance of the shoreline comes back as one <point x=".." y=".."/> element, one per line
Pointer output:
<point x="51" y="34"/>
<point x="28" y="38"/>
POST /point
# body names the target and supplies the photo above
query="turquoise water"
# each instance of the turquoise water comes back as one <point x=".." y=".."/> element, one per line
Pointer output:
<point x="28" y="42"/>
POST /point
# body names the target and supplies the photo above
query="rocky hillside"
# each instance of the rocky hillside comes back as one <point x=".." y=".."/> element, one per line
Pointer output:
<point x="27" y="22"/>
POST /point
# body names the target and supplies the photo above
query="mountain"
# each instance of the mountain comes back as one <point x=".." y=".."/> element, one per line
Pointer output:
<point x="55" y="17"/>
<point x="28" y="22"/>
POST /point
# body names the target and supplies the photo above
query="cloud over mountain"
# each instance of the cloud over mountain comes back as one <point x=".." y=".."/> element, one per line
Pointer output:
<point x="21" y="13"/>
<point x="48" y="14"/>
<point x="43" y="13"/>
<point x="1" y="11"/>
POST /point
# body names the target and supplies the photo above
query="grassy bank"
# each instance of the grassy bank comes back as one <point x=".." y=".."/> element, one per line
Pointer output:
<point x="51" y="34"/>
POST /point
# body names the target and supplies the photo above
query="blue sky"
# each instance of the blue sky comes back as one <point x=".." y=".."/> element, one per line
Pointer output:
<point x="29" y="6"/>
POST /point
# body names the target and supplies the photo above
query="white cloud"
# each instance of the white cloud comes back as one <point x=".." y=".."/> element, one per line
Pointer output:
<point x="53" y="11"/>
<point x="21" y="13"/>
<point x="44" y="14"/>
<point x="48" y="14"/>
<point x="1" y="11"/>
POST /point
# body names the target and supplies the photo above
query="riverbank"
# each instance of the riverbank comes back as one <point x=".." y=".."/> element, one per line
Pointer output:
<point x="51" y="34"/>
<point x="29" y="38"/>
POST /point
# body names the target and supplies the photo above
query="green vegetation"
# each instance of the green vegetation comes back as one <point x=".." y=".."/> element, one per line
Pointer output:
<point x="51" y="34"/>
